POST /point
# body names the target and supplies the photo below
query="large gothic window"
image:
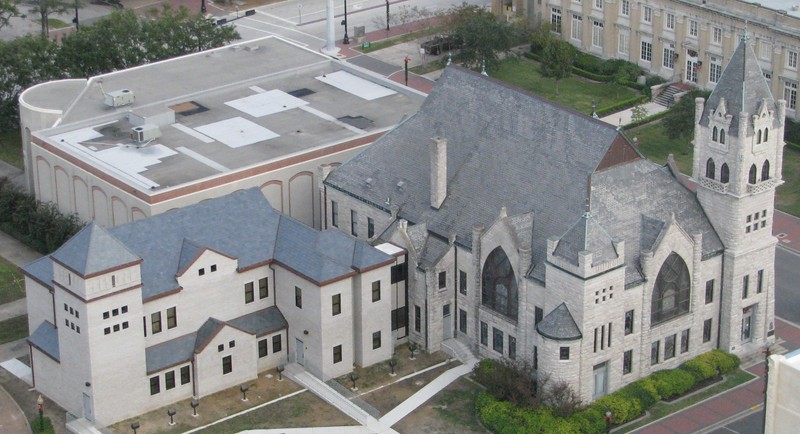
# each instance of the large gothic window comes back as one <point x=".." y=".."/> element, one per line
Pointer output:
<point x="672" y="290"/>
<point x="724" y="173"/>
<point x="499" y="284"/>
<point x="751" y="179"/>
<point x="710" y="169"/>
<point x="765" y="170"/>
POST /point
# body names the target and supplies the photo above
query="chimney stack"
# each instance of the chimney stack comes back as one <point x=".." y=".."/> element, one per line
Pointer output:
<point x="438" y="151"/>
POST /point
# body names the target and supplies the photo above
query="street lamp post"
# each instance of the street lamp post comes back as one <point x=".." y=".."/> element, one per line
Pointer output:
<point x="171" y="413"/>
<point x="608" y="421"/>
<point x="40" y="407"/>
<point x="406" y="60"/>
<point x="346" y="39"/>
<point x="77" y="23"/>
<point x="387" y="15"/>
<point x="202" y="6"/>
<point x="194" y="403"/>
<point x="135" y="426"/>
<point x="244" y="388"/>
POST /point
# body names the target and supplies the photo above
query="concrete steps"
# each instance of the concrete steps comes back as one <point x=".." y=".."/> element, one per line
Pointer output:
<point x="460" y="351"/>
<point x="667" y="97"/>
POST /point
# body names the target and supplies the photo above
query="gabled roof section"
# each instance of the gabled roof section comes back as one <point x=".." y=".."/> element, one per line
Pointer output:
<point x="559" y="325"/>
<point x="651" y="230"/>
<point x="93" y="250"/>
<point x="40" y="270"/>
<point x="189" y="253"/>
<point x="206" y="333"/>
<point x="586" y="235"/>
<point x="261" y="322"/>
<point x="742" y="85"/>
<point x="45" y="338"/>
<point x="170" y="353"/>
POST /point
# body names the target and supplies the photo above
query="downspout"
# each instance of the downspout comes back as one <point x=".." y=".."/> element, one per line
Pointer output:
<point x="721" y="294"/>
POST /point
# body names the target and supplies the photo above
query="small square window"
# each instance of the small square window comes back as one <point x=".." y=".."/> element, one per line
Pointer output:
<point x="563" y="353"/>
<point x="115" y="312"/>
<point x="201" y="271"/>
<point x="231" y="344"/>
<point x="124" y="325"/>
<point x="107" y="330"/>
<point x="213" y="268"/>
<point x="116" y="327"/>
<point x="124" y="309"/>
<point x="106" y="315"/>
<point x="220" y="347"/>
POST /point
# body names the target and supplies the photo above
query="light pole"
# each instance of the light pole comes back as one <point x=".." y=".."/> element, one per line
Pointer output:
<point x="346" y="39"/>
<point x="135" y="426"/>
<point x="77" y="23"/>
<point x="244" y="388"/>
<point x="387" y="15"/>
<point x="194" y="403"/>
<point x="608" y="421"/>
<point x="171" y="413"/>
<point x="202" y="6"/>
<point x="406" y="60"/>
<point x="40" y="407"/>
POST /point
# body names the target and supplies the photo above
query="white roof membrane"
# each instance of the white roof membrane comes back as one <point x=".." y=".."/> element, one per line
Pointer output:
<point x="357" y="86"/>
<point x="237" y="132"/>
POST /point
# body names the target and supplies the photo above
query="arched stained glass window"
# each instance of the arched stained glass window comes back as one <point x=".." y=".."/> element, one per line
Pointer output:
<point x="671" y="291"/>
<point x="499" y="284"/>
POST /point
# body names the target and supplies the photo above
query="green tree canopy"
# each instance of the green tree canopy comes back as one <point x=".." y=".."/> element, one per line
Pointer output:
<point x="481" y="35"/>
<point x="557" y="59"/>
<point x="679" y="124"/>
<point x="8" y="10"/>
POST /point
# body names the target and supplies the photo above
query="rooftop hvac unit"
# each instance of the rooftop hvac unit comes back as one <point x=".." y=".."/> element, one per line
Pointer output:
<point x="145" y="133"/>
<point x="119" y="98"/>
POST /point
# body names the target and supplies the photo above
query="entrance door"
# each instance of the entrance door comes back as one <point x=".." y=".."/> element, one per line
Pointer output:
<point x="299" y="352"/>
<point x="747" y="323"/>
<point x="447" y="322"/>
<point x="692" y="64"/>
<point x="88" y="412"/>
<point x="600" y="380"/>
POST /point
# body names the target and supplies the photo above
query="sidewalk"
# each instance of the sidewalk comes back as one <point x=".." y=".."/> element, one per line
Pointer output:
<point x="12" y="420"/>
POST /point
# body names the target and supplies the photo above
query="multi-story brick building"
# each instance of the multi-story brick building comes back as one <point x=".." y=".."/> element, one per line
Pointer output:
<point x="534" y="232"/>
<point x="681" y="40"/>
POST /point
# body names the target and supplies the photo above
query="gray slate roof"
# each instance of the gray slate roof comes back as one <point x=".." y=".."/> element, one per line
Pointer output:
<point x="559" y="325"/>
<point x="743" y="86"/>
<point x="170" y="353"/>
<point x="262" y="322"/>
<point x="241" y="225"/>
<point x="45" y="338"/>
<point x="586" y="235"/>
<point x="505" y="148"/>
<point x="93" y="250"/>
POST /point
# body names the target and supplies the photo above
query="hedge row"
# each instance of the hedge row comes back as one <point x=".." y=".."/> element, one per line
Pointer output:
<point x="39" y="225"/>
<point x="647" y="119"/>
<point x="622" y="105"/>
<point x="626" y="404"/>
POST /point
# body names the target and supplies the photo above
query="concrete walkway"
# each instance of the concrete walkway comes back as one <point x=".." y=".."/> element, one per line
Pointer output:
<point x="12" y="419"/>
<point x="625" y="117"/>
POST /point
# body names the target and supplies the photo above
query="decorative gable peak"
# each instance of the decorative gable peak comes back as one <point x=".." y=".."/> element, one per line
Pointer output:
<point x="722" y="109"/>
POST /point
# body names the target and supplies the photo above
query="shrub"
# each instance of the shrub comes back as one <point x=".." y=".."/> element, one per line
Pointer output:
<point x="644" y="390"/>
<point x="507" y="380"/>
<point x="625" y="408"/>
<point x="590" y="421"/>
<point x="673" y="382"/>
<point x="724" y="362"/>
<point x="700" y="368"/>
<point x="791" y="132"/>
<point x="622" y="105"/>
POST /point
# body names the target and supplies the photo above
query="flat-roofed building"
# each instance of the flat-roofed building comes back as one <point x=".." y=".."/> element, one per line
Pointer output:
<point x="129" y="144"/>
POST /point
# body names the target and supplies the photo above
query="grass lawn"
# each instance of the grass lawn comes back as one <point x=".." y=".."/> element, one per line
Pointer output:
<point x="389" y="397"/>
<point x="12" y="285"/>
<point x="55" y="23"/>
<point x="378" y="374"/>
<point x="13" y="329"/>
<point x="574" y="92"/>
<point x="11" y="147"/>
<point x="662" y="409"/>
<point x="451" y="410"/>
<point x="788" y="196"/>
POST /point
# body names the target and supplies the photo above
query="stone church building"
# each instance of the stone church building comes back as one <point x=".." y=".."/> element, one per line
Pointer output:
<point x="537" y="233"/>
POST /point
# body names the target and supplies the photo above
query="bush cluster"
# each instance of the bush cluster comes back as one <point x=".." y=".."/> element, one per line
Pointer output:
<point x="39" y="225"/>
<point x="625" y="404"/>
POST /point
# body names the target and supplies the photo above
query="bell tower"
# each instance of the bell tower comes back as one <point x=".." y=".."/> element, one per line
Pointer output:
<point x="738" y="154"/>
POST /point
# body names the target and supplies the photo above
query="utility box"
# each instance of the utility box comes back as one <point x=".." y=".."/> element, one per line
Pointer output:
<point x="119" y="98"/>
<point x="144" y="133"/>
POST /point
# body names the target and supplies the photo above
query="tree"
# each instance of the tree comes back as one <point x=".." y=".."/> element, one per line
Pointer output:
<point x="482" y="37"/>
<point x="638" y="113"/>
<point x="557" y="59"/>
<point x="27" y="60"/>
<point x="9" y="10"/>
<point x="45" y="8"/>
<point x="679" y="124"/>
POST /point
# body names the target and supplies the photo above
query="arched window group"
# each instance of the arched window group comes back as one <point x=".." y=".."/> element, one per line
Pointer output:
<point x="672" y="290"/>
<point x="711" y="171"/>
<point x="752" y="177"/>
<point x="760" y="138"/>
<point x="499" y="284"/>
<point x="718" y="135"/>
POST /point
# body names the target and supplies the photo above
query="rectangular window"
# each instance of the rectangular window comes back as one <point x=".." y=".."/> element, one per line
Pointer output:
<point x="201" y="272"/>
<point x="709" y="291"/>
<point x="263" y="348"/>
<point x="563" y="353"/>
<point x="628" y="322"/>
<point x="654" y="348"/>
<point x="370" y="227"/>
<point x="497" y="340"/>
<point x="249" y="292"/>
<point x="484" y="334"/>
<point x="399" y="272"/>
<point x="624" y="42"/>
<point x="353" y="222"/>
<point x="106" y="314"/>
<point x="685" y="341"/>
<point x="669" y="58"/>
<point x="124" y="309"/>
<point x="625" y="8"/>
<point x="745" y="286"/>
<point x="337" y="354"/>
<point x="298" y="297"/>
<point x="647" y="51"/>
<point x="417" y="319"/>
<point x="716" y="36"/>
<point x="334" y="214"/>
<point x="276" y="344"/>
<point x="336" y="304"/>
<point x="764" y="50"/>
<point x="538" y="314"/>
<point x="442" y="279"/>
<point x="669" y="347"/>
<point x="707" y="330"/>
<point x="598" y="4"/>
<point x="669" y="21"/>
<point x="577" y="27"/>
<point x="791" y="59"/>
<point x="535" y="357"/>
<point x="760" y="282"/>
<point x="512" y="348"/>
<point x="227" y="365"/>
<point x="169" y="380"/>
<point x="185" y="375"/>
<point x="172" y="318"/>
<point x="155" y="322"/>
<point x="627" y="362"/>
<point x="376" y="340"/>
<point x="376" y="291"/>
<point x="555" y="20"/>
<point x="693" y="28"/>
<point x="647" y="14"/>
<point x="790" y="94"/>
<point x="597" y="34"/>
<point x="400" y="318"/>
<point x="462" y="321"/>
<point x="714" y="70"/>
<point x="213" y="268"/>
<point x="263" y="287"/>
<point x="155" y="385"/>
<point x="462" y="282"/>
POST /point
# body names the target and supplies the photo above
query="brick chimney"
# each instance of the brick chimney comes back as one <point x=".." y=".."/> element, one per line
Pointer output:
<point x="438" y="151"/>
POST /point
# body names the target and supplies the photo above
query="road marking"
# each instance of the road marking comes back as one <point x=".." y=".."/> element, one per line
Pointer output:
<point x="295" y="41"/>
<point x="207" y="161"/>
<point x="276" y="17"/>
<point x="289" y="29"/>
